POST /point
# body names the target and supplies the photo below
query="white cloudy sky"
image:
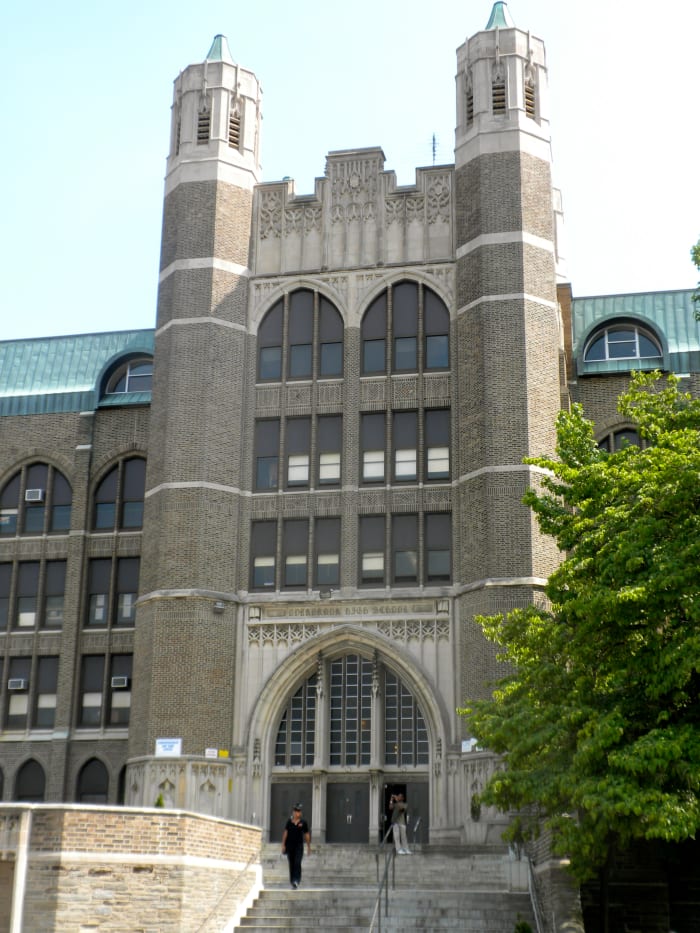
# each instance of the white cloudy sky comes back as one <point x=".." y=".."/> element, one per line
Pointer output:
<point x="85" y="93"/>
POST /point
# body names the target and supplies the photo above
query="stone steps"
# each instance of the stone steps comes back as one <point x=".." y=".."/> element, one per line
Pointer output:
<point x="436" y="889"/>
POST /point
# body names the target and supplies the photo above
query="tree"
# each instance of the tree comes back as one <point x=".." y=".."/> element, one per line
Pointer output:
<point x="598" y="717"/>
<point x="695" y="256"/>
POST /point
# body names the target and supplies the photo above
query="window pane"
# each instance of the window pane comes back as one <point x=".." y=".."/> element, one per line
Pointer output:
<point x="105" y="513"/>
<point x="34" y="519"/>
<point x="331" y="359"/>
<point x="437" y="351"/>
<point x="264" y="572"/>
<point x="405" y="356"/>
<point x="373" y="465"/>
<point x="295" y="570"/>
<point x="132" y="515"/>
<point x="328" y="569"/>
<point x="405" y="464"/>
<point x="266" y="473"/>
<point x="439" y="565"/>
<point x="270" y="363"/>
<point x="8" y="521"/>
<point x="329" y="468"/>
<point x="300" y="361"/>
<point x="406" y="565"/>
<point x="373" y="566"/>
<point x="60" y="518"/>
<point x="596" y="350"/>
<point x="438" y="462"/>
<point x="97" y="609"/>
<point x="374" y="356"/>
<point x="53" y="615"/>
<point x="298" y="471"/>
<point x="647" y="347"/>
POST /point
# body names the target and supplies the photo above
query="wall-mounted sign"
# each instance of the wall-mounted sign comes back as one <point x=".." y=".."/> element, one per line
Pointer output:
<point x="211" y="752"/>
<point x="168" y="747"/>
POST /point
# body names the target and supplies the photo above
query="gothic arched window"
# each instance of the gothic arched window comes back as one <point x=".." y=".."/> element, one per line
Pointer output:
<point x="118" y="499"/>
<point x="30" y="783"/>
<point x="413" y="324"/>
<point x="300" y="337"/>
<point x="36" y="500"/>
<point x="93" y="783"/>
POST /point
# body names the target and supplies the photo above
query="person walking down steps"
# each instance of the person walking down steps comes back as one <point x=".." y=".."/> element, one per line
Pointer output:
<point x="296" y="833"/>
<point x="397" y="805"/>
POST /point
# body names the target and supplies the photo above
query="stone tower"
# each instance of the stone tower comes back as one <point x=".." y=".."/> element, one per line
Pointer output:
<point x="507" y="320"/>
<point x="185" y="640"/>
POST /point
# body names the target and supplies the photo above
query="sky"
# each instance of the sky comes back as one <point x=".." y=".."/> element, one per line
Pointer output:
<point x="86" y="89"/>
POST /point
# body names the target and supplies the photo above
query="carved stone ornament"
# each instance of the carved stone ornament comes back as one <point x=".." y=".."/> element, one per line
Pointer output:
<point x="270" y="217"/>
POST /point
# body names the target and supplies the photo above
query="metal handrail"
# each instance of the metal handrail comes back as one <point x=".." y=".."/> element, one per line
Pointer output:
<point x="389" y="861"/>
<point x="534" y="898"/>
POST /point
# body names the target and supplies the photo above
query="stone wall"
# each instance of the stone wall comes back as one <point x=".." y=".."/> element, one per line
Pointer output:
<point x="115" y="869"/>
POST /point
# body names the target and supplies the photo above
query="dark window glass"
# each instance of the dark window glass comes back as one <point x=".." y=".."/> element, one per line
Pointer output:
<point x="300" y="330"/>
<point x="93" y="783"/>
<point x="298" y="443"/>
<point x="120" y="690"/>
<point x="295" y="536"/>
<point x="45" y="701"/>
<point x="134" y="489"/>
<point x="267" y="443"/>
<point x="373" y="447"/>
<point x="437" y="444"/>
<point x="404" y="539"/>
<point x="329" y="442"/>
<point x="127" y="590"/>
<point x="37" y="481"/>
<point x="91" y="690"/>
<point x="350" y="711"/>
<point x="296" y="734"/>
<point x="30" y="784"/>
<point x="9" y="506"/>
<point x="372" y="534"/>
<point x="327" y="546"/>
<point x="54" y="594"/>
<point x="405" y="732"/>
<point x="436" y="324"/>
<point x="99" y="577"/>
<point x="405" y="432"/>
<point x="27" y="595"/>
<point x="437" y="351"/>
<point x="405" y="326"/>
<point x="374" y="336"/>
<point x="263" y="548"/>
<point x="438" y="548"/>
<point x="17" y="706"/>
<point x="331" y="339"/>
<point x="106" y="501"/>
<point x="270" y="344"/>
<point x="61" y="507"/>
<point x="5" y="580"/>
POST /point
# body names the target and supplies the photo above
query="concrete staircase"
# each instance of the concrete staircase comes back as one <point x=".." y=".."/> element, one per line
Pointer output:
<point x="437" y="888"/>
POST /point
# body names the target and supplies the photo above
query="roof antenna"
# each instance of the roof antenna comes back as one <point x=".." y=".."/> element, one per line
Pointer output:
<point x="434" y="147"/>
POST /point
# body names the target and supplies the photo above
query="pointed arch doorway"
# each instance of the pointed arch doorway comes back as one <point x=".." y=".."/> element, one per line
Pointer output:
<point x="351" y="731"/>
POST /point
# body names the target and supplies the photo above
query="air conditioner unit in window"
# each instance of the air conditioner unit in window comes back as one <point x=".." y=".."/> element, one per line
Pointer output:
<point x="119" y="683"/>
<point x="17" y="683"/>
<point x="33" y="495"/>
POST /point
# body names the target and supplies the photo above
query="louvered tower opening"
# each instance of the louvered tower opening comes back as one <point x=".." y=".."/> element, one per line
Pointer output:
<point x="203" y="127"/>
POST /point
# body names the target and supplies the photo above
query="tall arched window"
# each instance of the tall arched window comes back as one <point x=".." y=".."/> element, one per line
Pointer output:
<point x="35" y="501"/>
<point x="93" y="783"/>
<point x="358" y="689"/>
<point x="30" y="783"/>
<point x="405" y="329"/>
<point x="118" y="500"/>
<point x="300" y="337"/>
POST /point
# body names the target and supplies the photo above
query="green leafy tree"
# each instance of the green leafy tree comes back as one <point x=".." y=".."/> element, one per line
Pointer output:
<point x="598" y="717"/>
<point x="695" y="256"/>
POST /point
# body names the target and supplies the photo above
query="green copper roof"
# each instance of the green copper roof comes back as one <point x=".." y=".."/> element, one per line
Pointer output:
<point x="58" y="374"/>
<point x="669" y="315"/>
<point x="219" y="51"/>
<point x="500" y="17"/>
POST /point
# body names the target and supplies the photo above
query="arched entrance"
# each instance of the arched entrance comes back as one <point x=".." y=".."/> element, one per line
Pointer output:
<point x="350" y="734"/>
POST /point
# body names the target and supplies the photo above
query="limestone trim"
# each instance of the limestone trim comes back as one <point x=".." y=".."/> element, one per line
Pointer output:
<point x="203" y="262"/>
<point x="511" y="296"/>
<point x="210" y="169"/>
<point x="188" y="321"/>
<point x="217" y="487"/>
<point x="285" y="679"/>
<point x="488" y="582"/>
<point x="288" y="634"/>
<point x="62" y="857"/>
<point x="498" y="239"/>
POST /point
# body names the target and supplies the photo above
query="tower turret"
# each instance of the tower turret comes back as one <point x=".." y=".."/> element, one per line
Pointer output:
<point x="508" y="382"/>
<point x="186" y="631"/>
